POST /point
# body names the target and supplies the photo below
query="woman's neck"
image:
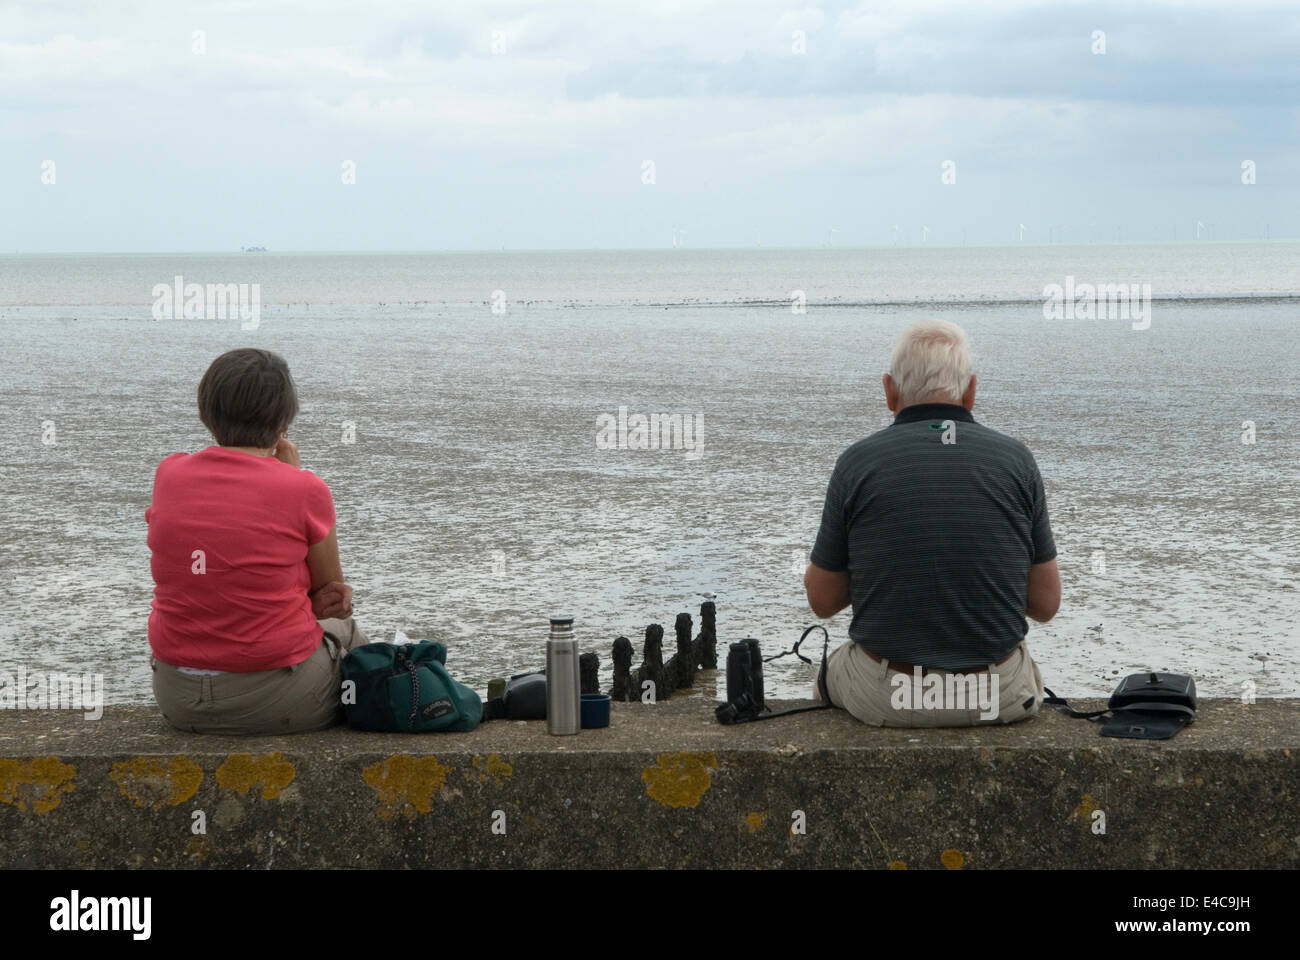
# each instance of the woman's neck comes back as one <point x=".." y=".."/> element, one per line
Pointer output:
<point x="253" y="451"/>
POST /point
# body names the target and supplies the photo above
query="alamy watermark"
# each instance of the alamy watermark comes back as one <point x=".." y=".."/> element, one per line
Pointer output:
<point x="35" y="690"/>
<point x="946" y="691"/>
<point x="215" y="301"/>
<point x="75" y="913"/>
<point x="1103" y="301"/>
<point x="655" y="431"/>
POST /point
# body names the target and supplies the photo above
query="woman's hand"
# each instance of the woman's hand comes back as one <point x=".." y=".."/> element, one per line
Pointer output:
<point x="332" y="601"/>
<point x="287" y="452"/>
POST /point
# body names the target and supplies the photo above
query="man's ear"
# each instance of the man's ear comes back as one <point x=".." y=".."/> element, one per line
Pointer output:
<point x="891" y="393"/>
<point x="968" y="398"/>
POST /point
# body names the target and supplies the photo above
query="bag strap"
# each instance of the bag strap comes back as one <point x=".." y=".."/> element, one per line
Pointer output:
<point x="822" y="683"/>
<point x="1065" y="707"/>
<point x="1158" y="708"/>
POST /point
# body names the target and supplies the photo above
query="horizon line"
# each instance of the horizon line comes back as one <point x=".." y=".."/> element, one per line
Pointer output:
<point x="666" y="249"/>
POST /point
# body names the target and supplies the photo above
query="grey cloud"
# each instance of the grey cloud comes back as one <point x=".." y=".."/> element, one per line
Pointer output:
<point x="1201" y="56"/>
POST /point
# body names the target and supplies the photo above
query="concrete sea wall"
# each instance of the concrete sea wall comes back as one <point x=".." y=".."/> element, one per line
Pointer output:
<point x="663" y="786"/>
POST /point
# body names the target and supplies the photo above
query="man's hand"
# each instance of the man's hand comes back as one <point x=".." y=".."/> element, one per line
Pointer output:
<point x="332" y="601"/>
<point x="287" y="452"/>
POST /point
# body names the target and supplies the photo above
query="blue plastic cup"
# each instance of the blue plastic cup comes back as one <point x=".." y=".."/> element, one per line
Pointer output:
<point x="595" y="710"/>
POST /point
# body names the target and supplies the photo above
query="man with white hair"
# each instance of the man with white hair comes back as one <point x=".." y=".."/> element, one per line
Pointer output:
<point x="935" y="531"/>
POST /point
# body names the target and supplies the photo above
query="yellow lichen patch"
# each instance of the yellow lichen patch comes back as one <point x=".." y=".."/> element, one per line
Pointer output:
<point x="493" y="766"/>
<point x="37" y="784"/>
<point x="198" y="848"/>
<point x="1084" y="810"/>
<point x="243" y="772"/>
<point x="897" y="865"/>
<point x="405" y="784"/>
<point x="679" y="779"/>
<point x="952" y="859"/>
<point x="754" y="822"/>
<point x="157" y="781"/>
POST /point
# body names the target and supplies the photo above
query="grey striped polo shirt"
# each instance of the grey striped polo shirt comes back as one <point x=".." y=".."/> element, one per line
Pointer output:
<point x="937" y="537"/>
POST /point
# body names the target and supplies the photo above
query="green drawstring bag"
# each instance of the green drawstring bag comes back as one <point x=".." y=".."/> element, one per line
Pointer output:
<point x="406" y="688"/>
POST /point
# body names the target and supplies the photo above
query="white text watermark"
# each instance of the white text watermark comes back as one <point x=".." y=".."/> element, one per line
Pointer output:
<point x="215" y="301"/>
<point x="36" y="690"/>
<point x="1102" y="301"/>
<point x="655" y="431"/>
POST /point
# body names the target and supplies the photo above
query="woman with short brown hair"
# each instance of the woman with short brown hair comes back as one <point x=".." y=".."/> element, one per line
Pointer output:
<point x="250" y="618"/>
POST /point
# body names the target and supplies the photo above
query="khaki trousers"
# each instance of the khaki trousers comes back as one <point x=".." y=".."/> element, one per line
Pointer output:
<point x="305" y="696"/>
<point x="885" y="696"/>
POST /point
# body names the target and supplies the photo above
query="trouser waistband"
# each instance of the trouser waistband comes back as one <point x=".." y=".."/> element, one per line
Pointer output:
<point x="909" y="667"/>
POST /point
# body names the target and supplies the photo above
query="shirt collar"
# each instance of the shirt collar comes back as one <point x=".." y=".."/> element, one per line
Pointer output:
<point x="933" y="411"/>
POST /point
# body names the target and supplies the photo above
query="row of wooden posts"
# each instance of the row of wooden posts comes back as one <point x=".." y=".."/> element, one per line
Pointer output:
<point x="693" y="653"/>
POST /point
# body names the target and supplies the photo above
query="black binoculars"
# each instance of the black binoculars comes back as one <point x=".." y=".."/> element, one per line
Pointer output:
<point x="744" y="683"/>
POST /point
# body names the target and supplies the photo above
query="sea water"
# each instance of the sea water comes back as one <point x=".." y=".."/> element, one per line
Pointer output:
<point x="454" y="403"/>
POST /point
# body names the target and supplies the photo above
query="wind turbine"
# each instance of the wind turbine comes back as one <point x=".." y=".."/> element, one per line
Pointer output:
<point x="676" y="233"/>
<point x="925" y="232"/>
<point x="1199" y="227"/>
<point x="830" y="237"/>
<point x="1022" y="232"/>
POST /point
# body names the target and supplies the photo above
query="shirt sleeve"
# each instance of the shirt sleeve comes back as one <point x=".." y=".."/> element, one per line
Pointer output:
<point x="831" y="551"/>
<point x="157" y="474"/>
<point x="318" y="505"/>
<point x="1041" y="529"/>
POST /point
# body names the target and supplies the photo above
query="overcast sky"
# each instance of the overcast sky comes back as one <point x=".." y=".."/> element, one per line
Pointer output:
<point x="457" y="145"/>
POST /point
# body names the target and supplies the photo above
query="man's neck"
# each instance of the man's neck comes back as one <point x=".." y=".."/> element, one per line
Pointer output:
<point x="933" y="403"/>
<point x="936" y="409"/>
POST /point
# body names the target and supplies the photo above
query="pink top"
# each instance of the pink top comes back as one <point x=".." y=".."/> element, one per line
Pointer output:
<point x="229" y="533"/>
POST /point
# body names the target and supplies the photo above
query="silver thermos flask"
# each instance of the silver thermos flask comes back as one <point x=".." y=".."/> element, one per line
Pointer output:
<point x="563" y="689"/>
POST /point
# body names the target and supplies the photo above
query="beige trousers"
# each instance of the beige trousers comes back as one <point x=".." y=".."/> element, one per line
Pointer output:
<point x="885" y="696"/>
<point x="305" y="696"/>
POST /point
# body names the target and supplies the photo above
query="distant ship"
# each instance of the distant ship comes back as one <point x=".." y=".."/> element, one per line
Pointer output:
<point x="252" y="249"/>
